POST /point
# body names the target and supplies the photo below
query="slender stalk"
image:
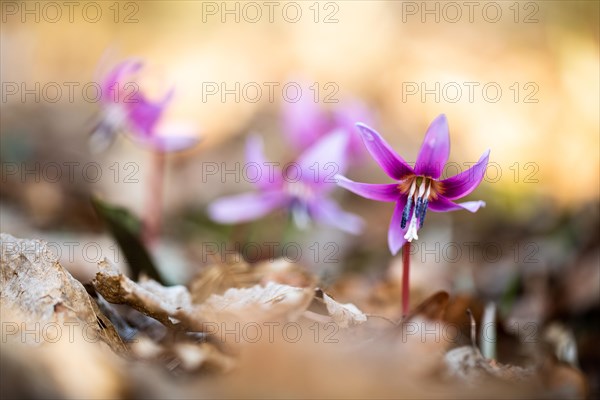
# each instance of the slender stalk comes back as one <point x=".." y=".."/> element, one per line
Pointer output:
<point x="154" y="199"/>
<point x="405" y="279"/>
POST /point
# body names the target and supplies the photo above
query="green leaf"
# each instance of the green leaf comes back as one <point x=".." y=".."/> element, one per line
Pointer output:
<point x="125" y="228"/>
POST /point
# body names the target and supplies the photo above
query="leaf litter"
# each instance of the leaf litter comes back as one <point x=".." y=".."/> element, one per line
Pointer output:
<point x="241" y="330"/>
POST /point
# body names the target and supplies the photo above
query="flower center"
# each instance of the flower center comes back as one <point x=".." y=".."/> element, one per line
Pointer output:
<point x="421" y="189"/>
<point x="299" y="191"/>
<point x="115" y="116"/>
<point x="301" y="195"/>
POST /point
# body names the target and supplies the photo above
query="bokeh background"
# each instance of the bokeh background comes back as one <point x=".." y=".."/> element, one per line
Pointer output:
<point x="534" y="248"/>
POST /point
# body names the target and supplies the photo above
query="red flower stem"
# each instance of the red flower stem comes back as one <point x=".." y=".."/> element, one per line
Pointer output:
<point x="153" y="211"/>
<point x="405" y="279"/>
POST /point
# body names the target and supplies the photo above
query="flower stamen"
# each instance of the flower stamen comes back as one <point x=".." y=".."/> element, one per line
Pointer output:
<point x="419" y="202"/>
<point x="411" y="233"/>
<point x="424" y="206"/>
<point x="408" y="205"/>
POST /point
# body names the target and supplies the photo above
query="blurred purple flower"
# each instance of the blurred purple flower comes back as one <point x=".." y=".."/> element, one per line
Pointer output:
<point x="305" y="122"/>
<point x="302" y="187"/>
<point x="125" y="108"/>
<point x="420" y="188"/>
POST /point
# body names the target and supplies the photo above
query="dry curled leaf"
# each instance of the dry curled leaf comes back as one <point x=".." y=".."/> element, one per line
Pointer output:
<point x="432" y="308"/>
<point x="173" y="306"/>
<point x="51" y="328"/>
<point x="166" y="304"/>
<point x="38" y="293"/>
<point x="345" y="315"/>
<point x="217" y="278"/>
<point x="285" y="272"/>
<point x="467" y="363"/>
<point x="257" y="303"/>
<point x="193" y="356"/>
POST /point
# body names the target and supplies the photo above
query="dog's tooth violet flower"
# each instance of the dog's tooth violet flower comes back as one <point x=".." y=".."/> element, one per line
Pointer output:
<point x="417" y="189"/>
<point x="125" y="108"/>
<point x="301" y="188"/>
<point x="306" y="121"/>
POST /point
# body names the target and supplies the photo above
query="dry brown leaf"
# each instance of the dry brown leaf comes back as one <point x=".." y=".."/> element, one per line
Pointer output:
<point x="54" y="369"/>
<point x="51" y="329"/>
<point x="193" y="356"/>
<point x="217" y="278"/>
<point x="169" y="305"/>
<point x="38" y="293"/>
<point x="173" y="307"/>
<point x="467" y="363"/>
<point x="258" y="303"/>
<point x="185" y="354"/>
<point x="345" y="315"/>
<point x="285" y="272"/>
<point x="432" y="308"/>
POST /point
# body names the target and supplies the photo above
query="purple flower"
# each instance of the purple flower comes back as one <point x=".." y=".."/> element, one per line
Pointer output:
<point x="305" y="122"/>
<point x="301" y="188"/>
<point x="417" y="189"/>
<point x="125" y="108"/>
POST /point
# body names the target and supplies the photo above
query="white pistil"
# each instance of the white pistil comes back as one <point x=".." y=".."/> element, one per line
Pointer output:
<point x="411" y="233"/>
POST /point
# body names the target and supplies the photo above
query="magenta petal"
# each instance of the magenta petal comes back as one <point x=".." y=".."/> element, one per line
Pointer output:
<point x="171" y="136"/>
<point x="442" y="204"/>
<point x="345" y="117"/>
<point x="171" y="143"/>
<point x="329" y="213"/>
<point x="144" y="114"/>
<point x="114" y="82"/>
<point x="258" y="170"/>
<point x="245" y="207"/>
<point x="392" y="163"/>
<point x="168" y="144"/>
<point x="379" y="192"/>
<point x="304" y="122"/>
<point x="396" y="232"/>
<point x="255" y="150"/>
<point x="435" y="149"/>
<point x="464" y="183"/>
<point x="322" y="161"/>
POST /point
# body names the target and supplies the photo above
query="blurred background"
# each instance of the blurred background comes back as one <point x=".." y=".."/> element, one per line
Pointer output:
<point x="519" y="78"/>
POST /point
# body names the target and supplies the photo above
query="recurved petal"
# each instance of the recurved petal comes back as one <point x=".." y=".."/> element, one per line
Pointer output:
<point x="171" y="143"/>
<point x="262" y="173"/>
<point x="382" y="153"/>
<point x="143" y="114"/>
<point x="116" y="80"/>
<point x="396" y="232"/>
<point x="379" y="192"/>
<point x="345" y="117"/>
<point x="255" y="149"/>
<point x="245" y="207"/>
<point x="304" y="122"/>
<point x="327" y="212"/>
<point x="435" y="149"/>
<point x="172" y="136"/>
<point x="442" y="204"/>
<point x="464" y="183"/>
<point x="324" y="159"/>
